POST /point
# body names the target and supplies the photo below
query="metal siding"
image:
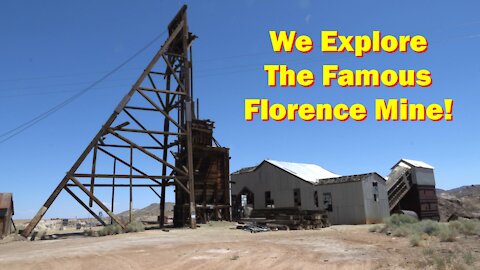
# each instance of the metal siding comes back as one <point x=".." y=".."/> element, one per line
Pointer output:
<point x="349" y="204"/>
<point x="424" y="177"/>
<point x="375" y="211"/>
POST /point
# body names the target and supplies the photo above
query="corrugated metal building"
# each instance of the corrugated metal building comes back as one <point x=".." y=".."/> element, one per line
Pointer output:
<point x="6" y="213"/>
<point x="354" y="199"/>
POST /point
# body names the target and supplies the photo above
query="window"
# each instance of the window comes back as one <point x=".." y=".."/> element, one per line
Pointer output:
<point x="315" y="198"/>
<point x="243" y="199"/>
<point x="268" y="199"/>
<point x="375" y="191"/>
<point x="297" y="201"/>
<point x="327" y="201"/>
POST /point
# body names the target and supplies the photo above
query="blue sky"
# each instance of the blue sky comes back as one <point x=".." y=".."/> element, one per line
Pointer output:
<point x="50" y="50"/>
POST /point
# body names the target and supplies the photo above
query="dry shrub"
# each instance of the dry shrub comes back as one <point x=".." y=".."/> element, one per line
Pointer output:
<point x="466" y="226"/>
<point x="135" y="226"/>
<point x="415" y="239"/>
<point x="446" y="234"/>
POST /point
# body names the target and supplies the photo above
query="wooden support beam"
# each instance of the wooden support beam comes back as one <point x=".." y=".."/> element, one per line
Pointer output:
<point x="147" y="152"/>
<point x="155" y="192"/>
<point x="92" y="181"/>
<point x="125" y="176"/>
<point x="153" y="178"/>
<point x="28" y="230"/>
<point x="113" y="185"/>
<point x="174" y="73"/>
<point x="174" y="35"/>
<point x="84" y="206"/>
<point x="118" y="185"/>
<point x="97" y="201"/>
<point x="160" y="110"/>
<point x="128" y="146"/>
<point x="131" y="188"/>
<point x="151" y="131"/>
<point x="161" y="91"/>
<point x="143" y="127"/>
<point x="140" y="108"/>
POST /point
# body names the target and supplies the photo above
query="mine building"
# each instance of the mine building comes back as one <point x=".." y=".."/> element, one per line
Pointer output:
<point x="6" y="213"/>
<point x="411" y="186"/>
<point x="352" y="199"/>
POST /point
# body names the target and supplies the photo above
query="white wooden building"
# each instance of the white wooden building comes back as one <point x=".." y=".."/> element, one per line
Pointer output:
<point x="353" y="199"/>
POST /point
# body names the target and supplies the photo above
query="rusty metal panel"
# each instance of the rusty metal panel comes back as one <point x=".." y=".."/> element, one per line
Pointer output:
<point x="6" y="201"/>
<point x="6" y="212"/>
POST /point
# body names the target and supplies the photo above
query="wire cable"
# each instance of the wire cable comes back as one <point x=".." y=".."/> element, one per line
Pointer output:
<point x="26" y="125"/>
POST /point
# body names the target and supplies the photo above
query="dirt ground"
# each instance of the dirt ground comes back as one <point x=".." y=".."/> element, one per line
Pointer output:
<point x="220" y="246"/>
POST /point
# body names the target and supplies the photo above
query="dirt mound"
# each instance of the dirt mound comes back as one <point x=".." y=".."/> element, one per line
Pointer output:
<point x="459" y="202"/>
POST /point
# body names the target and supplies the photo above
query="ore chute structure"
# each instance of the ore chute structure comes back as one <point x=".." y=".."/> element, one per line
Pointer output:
<point x="154" y="124"/>
<point x="411" y="187"/>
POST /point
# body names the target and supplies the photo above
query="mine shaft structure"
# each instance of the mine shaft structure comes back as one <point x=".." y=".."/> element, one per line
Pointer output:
<point x="155" y="126"/>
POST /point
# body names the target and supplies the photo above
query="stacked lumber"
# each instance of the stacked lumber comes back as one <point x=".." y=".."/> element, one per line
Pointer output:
<point x="293" y="218"/>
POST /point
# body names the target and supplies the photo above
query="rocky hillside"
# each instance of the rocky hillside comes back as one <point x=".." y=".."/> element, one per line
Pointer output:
<point x="461" y="202"/>
<point x="149" y="213"/>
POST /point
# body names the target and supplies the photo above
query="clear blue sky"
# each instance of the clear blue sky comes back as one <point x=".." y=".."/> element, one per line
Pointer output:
<point x="51" y="49"/>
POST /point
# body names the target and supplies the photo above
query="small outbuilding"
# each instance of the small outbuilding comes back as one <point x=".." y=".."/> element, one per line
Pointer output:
<point x="353" y="199"/>
<point x="411" y="186"/>
<point x="6" y="213"/>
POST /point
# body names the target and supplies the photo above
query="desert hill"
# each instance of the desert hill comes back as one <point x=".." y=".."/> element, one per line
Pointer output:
<point x="459" y="202"/>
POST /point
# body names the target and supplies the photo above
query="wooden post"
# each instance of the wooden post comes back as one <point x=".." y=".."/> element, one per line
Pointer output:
<point x="113" y="185"/>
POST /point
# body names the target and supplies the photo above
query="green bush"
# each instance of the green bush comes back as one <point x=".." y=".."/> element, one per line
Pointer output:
<point x="90" y="232"/>
<point x="404" y="225"/>
<point x="466" y="226"/>
<point x="468" y="258"/>
<point x="429" y="227"/>
<point x="415" y="239"/>
<point x="401" y="231"/>
<point x="110" y="230"/>
<point x="135" y="226"/>
<point x="446" y="234"/>
<point x="397" y="220"/>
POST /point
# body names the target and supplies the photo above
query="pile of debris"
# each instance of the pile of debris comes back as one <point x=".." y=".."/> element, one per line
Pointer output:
<point x="285" y="219"/>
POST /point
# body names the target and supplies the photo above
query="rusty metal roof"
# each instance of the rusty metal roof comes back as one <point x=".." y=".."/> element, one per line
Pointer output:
<point x="348" y="179"/>
<point x="6" y="201"/>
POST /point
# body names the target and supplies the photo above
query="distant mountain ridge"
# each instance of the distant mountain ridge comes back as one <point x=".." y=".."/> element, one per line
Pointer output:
<point x="149" y="213"/>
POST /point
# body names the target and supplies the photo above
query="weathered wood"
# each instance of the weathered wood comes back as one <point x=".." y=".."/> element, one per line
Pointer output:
<point x="97" y="201"/>
<point x="85" y="206"/>
<point x="173" y="35"/>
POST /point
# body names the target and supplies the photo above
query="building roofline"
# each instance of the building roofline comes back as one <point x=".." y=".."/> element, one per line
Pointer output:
<point x="350" y="176"/>
<point x="411" y="163"/>
<point x="252" y="169"/>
